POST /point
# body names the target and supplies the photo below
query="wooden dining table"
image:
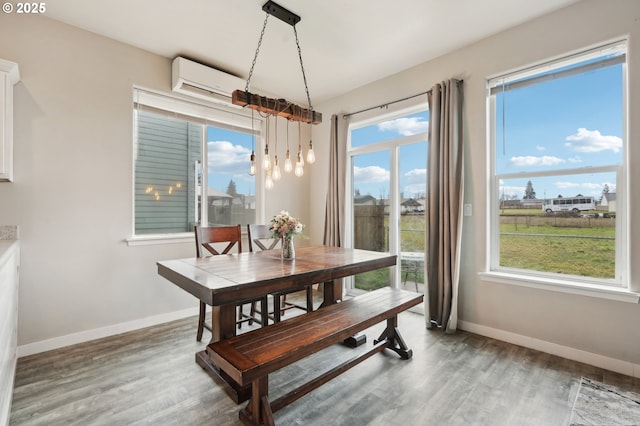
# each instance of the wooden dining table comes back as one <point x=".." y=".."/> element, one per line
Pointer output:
<point x="226" y="280"/>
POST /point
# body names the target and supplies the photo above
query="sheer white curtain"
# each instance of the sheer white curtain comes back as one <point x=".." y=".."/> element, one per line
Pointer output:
<point x="444" y="205"/>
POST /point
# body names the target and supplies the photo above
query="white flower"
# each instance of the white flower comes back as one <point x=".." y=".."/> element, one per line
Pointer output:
<point x="283" y="225"/>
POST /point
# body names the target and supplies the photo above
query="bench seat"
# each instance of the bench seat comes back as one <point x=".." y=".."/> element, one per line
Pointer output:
<point x="251" y="357"/>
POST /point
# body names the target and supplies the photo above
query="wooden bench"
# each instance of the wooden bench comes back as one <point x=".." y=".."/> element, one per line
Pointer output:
<point x="249" y="358"/>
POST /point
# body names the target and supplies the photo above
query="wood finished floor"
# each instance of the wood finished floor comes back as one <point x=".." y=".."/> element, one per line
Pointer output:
<point x="150" y="376"/>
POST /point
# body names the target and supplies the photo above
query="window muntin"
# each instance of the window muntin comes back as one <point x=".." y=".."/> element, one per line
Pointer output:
<point x="560" y="128"/>
<point x="173" y="139"/>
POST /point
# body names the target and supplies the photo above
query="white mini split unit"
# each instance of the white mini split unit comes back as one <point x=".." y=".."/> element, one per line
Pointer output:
<point x="194" y="79"/>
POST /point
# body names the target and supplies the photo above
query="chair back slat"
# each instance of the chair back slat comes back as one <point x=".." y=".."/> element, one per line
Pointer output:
<point x="206" y="237"/>
<point x="260" y="236"/>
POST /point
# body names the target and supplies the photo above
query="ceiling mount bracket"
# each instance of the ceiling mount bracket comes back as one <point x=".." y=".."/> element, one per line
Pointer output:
<point x="281" y="13"/>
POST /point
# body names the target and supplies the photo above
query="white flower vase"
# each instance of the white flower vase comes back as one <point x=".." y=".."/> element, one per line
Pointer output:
<point x="288" y="249"/>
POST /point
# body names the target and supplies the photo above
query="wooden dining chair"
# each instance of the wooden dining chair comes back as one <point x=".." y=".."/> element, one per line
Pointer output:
<point x="261" y="238"/>
<point x="209" y="241"/>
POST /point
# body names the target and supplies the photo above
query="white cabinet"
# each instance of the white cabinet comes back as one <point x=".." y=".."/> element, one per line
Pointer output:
<point x="9" y="76"/>
<point x="9" y="270"/>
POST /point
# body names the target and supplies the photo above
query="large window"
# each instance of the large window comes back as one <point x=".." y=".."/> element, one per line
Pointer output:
<point x="191" y="166"/>
<point x="558" y="172"/>
<point x="387" y="185"/>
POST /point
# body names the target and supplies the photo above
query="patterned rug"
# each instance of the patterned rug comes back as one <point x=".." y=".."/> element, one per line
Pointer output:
<point x="600" y="404"/>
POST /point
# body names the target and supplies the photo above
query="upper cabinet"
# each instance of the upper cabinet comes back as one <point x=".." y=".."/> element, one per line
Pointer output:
<point x="9" y="76"/>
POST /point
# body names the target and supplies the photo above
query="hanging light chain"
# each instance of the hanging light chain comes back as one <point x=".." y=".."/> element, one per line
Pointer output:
<point x="304" y="76"/>
<point x="255" y="58"/>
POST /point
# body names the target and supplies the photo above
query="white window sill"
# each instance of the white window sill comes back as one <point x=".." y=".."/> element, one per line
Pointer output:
<point x="147" y="240"/>
<point x="583" y="289"/>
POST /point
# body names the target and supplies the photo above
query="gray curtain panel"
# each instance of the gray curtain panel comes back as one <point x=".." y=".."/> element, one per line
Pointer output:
<point x="444" y="204"/>
<point x="334" y="212"/>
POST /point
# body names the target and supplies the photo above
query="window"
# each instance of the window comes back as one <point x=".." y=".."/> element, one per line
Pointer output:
<point x="173" y="140"/>
<point x="558" y="149"/>
<point x="387" y="182"/>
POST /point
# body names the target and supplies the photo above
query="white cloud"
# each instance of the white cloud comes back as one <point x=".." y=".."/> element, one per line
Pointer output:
<point x="570" y="189"/>
<point x="414" y="190"/>
<point x="566" y="185"/>
<point x="224" y="157"/>
<point x="575" y="159"/>
<point x="592" y="141"/>
<point x="540" y="148"/>
<point x="417" y="176"/>
<point x="370" y="174"/>
<point x="511" y="191"/>
<point x="405" y="126"/>
<point x="530" y="160"/>
<point x="416" y="182"/>
<point x="597" y="187"/>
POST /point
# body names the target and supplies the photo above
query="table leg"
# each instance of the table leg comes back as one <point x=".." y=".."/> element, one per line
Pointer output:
<point x="223" y="319"/>
<point x="333" y="293"/>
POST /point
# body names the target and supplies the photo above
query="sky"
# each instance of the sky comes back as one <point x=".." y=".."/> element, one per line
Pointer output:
<point x="372" y="172"/>
<point x="229" y="154"/>
<point x="562" y="124"/>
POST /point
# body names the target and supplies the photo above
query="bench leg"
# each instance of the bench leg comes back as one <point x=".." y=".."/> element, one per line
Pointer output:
<point x="258" y="410"/>
<point x="393" y="336"/>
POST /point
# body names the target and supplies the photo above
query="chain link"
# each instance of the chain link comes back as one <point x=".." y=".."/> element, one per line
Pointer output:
<point x="304" y="77"/>
<point x="255" y="58"/>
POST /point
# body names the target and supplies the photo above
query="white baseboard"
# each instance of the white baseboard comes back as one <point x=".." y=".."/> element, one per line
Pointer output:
<point x="98" y="333"/>
<point x="608" y="363"/>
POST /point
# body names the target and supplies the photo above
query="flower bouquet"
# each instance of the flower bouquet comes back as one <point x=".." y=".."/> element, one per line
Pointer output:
<point x="285" y="227"/>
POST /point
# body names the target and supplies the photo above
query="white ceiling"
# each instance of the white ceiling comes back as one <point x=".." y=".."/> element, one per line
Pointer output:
<point x="345" y="43"/>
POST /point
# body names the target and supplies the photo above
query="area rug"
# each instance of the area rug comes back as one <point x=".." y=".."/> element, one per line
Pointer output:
<point x="600" y="404"/>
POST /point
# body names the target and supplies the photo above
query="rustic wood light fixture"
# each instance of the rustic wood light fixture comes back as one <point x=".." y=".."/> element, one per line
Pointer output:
<point x="270" y="106"/>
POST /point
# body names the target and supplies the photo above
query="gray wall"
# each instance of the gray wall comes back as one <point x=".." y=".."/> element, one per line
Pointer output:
<point x="588" y="328"/>
<point x="72" y="195"/>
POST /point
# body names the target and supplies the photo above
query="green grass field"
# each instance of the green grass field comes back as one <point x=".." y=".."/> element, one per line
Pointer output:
<point x="565" y="249"/>
<point x="575" y="251"/>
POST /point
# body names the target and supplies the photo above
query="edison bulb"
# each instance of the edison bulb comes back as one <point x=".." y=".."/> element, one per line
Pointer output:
<point x="276" y="169"/>
<point x="266" y="161"/>
<point x="288" y="166"/>
<point x="311" y="156"/>
<point x="268" y="182"/>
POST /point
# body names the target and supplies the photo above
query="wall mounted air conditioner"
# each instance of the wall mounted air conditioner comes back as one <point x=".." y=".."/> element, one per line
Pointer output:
<point x="194" y="79"/>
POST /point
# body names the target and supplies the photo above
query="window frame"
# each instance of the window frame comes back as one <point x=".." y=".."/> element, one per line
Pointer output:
<point x="617" y="288"/>
<point x="392" y="146"/>
<point x="202" y="113"/>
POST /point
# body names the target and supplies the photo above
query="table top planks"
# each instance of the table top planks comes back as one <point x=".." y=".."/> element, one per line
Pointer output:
<point x="233" y="278"/>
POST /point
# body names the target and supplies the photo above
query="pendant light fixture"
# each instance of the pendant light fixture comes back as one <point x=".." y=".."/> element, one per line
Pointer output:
<point x="279" y="107"/>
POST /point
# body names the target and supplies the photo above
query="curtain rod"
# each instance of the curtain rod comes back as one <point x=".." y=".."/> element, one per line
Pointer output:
<point x="389" y="103"/>
<point x="385" y="104"/>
